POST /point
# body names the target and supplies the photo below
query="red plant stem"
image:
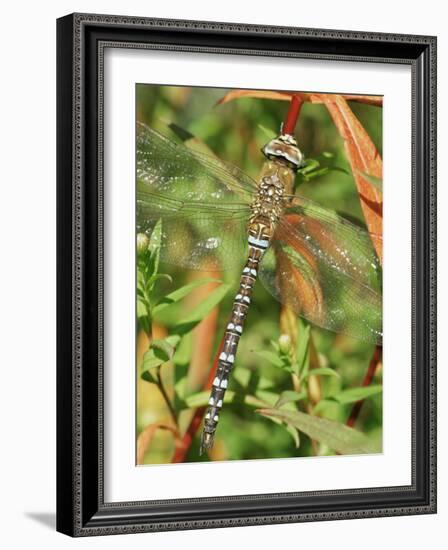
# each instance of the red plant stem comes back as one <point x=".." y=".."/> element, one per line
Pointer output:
<point x="370" y="373"/>
<point x="184" y="446"/>
<point x="292" y="115"/>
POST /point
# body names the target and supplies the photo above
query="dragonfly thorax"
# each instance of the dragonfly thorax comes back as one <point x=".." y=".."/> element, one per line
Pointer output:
<point x="275" y="181"/>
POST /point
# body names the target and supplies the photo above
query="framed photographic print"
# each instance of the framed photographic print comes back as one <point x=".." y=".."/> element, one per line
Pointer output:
<point x="246" y="274"/>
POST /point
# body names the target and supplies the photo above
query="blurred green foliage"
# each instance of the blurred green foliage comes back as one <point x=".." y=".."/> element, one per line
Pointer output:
<point x="265" y="367"/>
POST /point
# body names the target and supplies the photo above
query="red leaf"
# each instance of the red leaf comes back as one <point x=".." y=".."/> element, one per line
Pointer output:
<point x="364" y="159"/>
<point x="279" y="95"/>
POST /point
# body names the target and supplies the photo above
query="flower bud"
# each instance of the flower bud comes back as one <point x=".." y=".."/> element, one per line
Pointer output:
<point x="284" y="343"/>
<point x="142" y="243"/>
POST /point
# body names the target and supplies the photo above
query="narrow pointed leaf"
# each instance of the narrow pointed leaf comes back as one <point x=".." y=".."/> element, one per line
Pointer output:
<point x="165" y="348"/>
<point x="364" y="159"/>
<point x="159" y="353"/>
<point x="289" y="396"/>
<point x="338" y="437"/>
<point x="270" y="134"/>
<point x="272" y="358"/>
<point x="180" y="293"/>
<point x="143" y="315"/>
<point x="321" y="371"/>
<point x="203" y="309"/>
<point x="200" y="399"/>
<point x="294" y="434"/>
<point x="356" y="394"/>
<point x="154" y="245"/>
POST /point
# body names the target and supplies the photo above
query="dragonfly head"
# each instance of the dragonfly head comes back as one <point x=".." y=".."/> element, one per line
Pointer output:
<point x="284" y="147"/>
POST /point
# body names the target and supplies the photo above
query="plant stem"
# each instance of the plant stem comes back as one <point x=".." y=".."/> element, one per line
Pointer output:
<point x="292" y="115"/>
<point x="166" y="397"/>
<point x="182" y="450"/>
<point x="370" y="373"/>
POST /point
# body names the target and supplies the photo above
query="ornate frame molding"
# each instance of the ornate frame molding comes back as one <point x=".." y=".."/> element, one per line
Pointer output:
<point x="82" y="39"/>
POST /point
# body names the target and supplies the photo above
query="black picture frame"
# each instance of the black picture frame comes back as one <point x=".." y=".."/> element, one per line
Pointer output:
<point x="81" y="40"/>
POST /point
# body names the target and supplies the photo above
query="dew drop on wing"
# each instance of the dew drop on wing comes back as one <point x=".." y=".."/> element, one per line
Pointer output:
<point x="212" y="243"/>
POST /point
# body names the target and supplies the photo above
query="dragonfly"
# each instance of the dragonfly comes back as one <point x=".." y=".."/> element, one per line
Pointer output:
<point x="215" y="217"/>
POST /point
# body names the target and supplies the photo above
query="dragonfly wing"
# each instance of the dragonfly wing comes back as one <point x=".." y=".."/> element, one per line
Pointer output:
<point x="203" y="203"/>
<point x="195" y="236"/>
<point x="173" y="169"/>
<point x="326" y="270"/>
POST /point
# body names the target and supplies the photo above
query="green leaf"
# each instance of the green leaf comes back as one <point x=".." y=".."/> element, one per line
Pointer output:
<point x="356" y="394"/>
<point x="201" y="311"/>
<point x="272" y="358"/>
<point x="275" y="345"/>
<point x="156" y="236"/>
<point x="337" y="436"/>
<point x="157" y="277"/>
<point x="323" y="405"/>
<point x="178" y="294"/>
<point x="148" y="262"/>
<point x="321" y="371"/>
<point x="289" y="396"/>
<point x="165" y="348"/>
<point x="338" y="169"/>
<point x="190" y="140"/>
<point x="294" y="434"/>
<point x="303" y="347"/>
<point x="143" y="315"/>
<point x="200" y="399"/>
<point x="270" y="134"/>
<point x="180" y="132"/>
<point x="183" y="350"/>
<point x="180" y="391"/>
<point x="159" y="353"/>
<point x="151" y="361"/>
<point x="316" y="173"/>
<point x="310" y="165"/>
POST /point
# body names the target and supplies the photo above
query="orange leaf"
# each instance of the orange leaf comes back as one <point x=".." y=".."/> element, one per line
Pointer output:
<point x="287" y="95"/>
<point x="363" y="158"/>
<point x="146" y="436"/>
<point x="258" y="94"/>
<point x="367" y="99"/>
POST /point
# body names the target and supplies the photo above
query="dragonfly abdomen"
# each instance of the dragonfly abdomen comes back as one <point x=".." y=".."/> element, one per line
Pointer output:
<point x="258" y="240"/>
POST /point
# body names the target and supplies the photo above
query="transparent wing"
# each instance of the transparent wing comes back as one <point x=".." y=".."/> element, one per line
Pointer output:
<point x="326" y="270"/>
<point x="195" y="236"/>
<point x="175" y="170"/>
<point x="203" y="203"/>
